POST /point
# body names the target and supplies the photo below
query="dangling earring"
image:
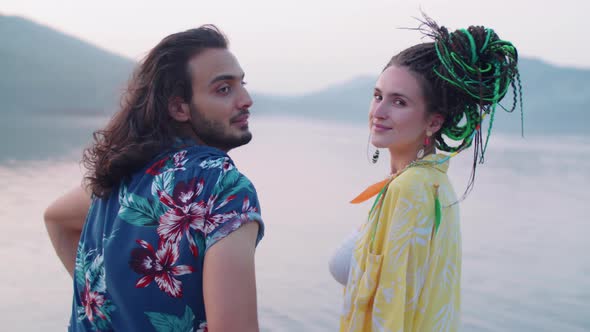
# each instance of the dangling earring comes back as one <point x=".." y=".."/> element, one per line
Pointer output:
<point x="422" y="151"/>
<point x="373" y="159"/>
<point x="375" y="156"/>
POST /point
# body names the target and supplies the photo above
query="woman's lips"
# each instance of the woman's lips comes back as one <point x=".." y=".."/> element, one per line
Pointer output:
<point x="380" y="128"/>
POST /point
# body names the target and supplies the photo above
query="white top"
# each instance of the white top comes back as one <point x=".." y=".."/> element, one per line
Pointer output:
<point x="340" y="261"/>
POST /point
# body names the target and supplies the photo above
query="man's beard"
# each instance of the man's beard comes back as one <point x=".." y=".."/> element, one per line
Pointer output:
<point x="212" y="133"/>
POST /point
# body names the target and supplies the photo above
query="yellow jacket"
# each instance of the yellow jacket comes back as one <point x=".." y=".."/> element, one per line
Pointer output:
<point x="405" y="276"/>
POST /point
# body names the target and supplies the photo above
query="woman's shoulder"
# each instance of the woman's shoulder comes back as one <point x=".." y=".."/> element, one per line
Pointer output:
<point x="422" y="175"/>
<point x="418" y="185"/>
<point x="413" y="179"/>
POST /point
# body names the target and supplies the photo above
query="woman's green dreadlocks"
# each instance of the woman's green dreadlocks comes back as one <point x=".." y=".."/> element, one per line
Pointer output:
<point x="465" y="75"/>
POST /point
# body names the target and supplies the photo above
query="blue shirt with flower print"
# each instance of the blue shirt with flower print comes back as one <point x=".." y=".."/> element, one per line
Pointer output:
<point x="139" y="265"/>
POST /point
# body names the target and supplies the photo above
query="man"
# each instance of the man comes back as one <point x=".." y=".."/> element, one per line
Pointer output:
<point x="165" y="228"/>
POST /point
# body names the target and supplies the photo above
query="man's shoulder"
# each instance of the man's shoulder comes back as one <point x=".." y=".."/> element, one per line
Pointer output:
<point x="190" y="158"/>
<point x="211" y="164"/>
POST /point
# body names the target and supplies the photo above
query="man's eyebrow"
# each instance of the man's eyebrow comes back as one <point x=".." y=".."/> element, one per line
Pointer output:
<point x="226" y="77"/>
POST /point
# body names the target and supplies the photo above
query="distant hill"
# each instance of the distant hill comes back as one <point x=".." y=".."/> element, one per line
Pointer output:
<point x="556" y="100"/>
<point x="45" y="71"/>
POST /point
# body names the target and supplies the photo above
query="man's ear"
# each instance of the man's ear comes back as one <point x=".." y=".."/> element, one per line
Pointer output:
<point x="178" y="109"/>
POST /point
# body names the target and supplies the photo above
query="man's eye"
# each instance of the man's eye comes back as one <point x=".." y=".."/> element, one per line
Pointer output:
<point x="224" y="90"/>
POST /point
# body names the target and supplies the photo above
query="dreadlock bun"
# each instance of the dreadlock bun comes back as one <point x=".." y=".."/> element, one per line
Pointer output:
<point x="467" y="73"/>
<point x="464" y="75"/>
<point x="476" y="62"/>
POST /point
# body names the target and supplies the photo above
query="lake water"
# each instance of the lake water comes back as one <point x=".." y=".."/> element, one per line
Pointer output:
<point x="525" y="226"/>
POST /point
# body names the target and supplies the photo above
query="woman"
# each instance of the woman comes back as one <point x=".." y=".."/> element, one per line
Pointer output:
<point x="402" y="270"/>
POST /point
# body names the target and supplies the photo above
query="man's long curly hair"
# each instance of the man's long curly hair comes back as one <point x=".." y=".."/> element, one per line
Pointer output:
<point x="142" y="128"/>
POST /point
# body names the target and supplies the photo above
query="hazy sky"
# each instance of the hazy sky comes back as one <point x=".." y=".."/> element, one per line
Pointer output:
<point x="293" y="47"/>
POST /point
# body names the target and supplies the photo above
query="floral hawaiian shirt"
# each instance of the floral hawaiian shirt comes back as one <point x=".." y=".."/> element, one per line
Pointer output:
<point x="139" y="265"/>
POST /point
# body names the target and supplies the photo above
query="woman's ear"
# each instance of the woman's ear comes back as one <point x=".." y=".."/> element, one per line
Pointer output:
<point x="435" y="122"/>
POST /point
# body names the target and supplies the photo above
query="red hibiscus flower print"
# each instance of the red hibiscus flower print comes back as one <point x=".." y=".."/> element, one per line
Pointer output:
<point x="159" y="266"/>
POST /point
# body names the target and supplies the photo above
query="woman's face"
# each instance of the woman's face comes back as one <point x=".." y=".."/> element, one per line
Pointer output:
<point x="397" y="117"/>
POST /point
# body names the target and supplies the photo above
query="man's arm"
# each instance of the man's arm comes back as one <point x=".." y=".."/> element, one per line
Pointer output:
<point x="64" y="219"/>
<point x="229" y="283"/>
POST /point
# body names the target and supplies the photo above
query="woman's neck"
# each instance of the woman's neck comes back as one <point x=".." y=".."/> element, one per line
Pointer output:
<point x="400" y="160"/>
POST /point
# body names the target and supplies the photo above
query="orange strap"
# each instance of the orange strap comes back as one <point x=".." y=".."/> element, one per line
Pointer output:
<point x="371" y="191"/>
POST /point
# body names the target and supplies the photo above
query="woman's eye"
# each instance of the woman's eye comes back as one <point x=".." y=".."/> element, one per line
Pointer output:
<point x="399" y="102"/>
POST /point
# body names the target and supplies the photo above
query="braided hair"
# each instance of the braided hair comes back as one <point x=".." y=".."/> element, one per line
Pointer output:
<point x="464" y="75"/>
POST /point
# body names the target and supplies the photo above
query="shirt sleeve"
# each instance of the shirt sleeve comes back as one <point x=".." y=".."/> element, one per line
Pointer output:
<point x="233" y="203"/>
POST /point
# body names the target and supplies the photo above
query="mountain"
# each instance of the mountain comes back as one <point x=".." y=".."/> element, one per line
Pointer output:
<point x="556" y="100"/>
<point x="45" y="71"/>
